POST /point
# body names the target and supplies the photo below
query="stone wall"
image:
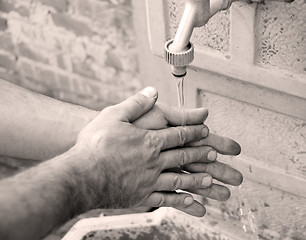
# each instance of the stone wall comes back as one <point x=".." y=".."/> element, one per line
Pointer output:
<point x="74" y="50"/>
<point x="238" y="52"/>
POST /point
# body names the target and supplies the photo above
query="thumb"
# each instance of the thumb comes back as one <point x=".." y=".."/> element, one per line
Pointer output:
<point x="137" y="105"/>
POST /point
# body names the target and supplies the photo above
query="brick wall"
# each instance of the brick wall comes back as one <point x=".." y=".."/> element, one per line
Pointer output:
<point x="74" y="50"/>
<point x="80" y="51"/>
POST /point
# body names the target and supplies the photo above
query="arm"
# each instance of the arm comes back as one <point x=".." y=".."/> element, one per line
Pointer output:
<point x="33" y="126"/>
<point x="38" y="127"/>
<point x="100" y="170"/>
<point x="40" y="198"/>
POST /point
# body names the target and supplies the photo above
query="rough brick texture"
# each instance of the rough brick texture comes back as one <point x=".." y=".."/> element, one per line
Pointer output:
<point x="77" y="51"/>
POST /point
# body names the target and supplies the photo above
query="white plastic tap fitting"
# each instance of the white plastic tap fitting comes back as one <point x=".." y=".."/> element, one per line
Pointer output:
<point x="179" y="60"/>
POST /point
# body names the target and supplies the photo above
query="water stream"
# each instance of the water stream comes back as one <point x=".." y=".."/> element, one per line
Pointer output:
<point x="181" y="99"/>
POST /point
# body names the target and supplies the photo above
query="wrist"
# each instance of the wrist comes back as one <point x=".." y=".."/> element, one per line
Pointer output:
<point x="82" y="183"/>
<point x="75" y="120"/>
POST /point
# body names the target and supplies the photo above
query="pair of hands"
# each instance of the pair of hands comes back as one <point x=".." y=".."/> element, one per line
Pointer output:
<point x="139" y="155"/>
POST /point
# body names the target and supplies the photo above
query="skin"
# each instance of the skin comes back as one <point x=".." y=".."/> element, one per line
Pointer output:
<point x="136" y="134"/>
<point x="163" y="116"/>
<point x="27" y="118"/>
<point x="35" y="115"/>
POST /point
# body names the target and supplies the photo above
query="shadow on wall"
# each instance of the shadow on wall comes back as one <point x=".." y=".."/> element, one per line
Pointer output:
<point x="77" y="51"/>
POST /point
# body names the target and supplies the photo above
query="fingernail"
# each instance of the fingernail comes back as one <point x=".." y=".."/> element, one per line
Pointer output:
<point x="205" y="132"/>
<point x="149" y="92"/>
<point x="188" y="201"/>
<point x="206" y="181"/>
<point x="212" y="155"/>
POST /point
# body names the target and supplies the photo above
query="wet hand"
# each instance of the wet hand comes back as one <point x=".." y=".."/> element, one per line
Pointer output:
<point x="125" y="164"/>
<point x="219" y="171"/>
<point x="163" y="116"/>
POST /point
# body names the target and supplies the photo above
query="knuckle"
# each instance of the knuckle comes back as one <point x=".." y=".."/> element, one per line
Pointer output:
<point x="176" y="182"/>
<point x="161" y="200"/>
<point x="152" y="143"/>
<point x="182" y="136"/>
<point x="195" y="182"/>
<point x="152" y="138"/>
<point x="198" y="155"/>
<point x="140" y="102"/>
<point x="193" y="134"/>
<point x="109" y="109"/>
<point x="182" y="157"/>
<point x="191" y="182"/>
<point x="178" y="201"/>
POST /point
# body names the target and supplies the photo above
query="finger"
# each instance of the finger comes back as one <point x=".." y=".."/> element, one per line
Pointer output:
<point x="219" y="171"/>
<point x="153" y="120"/>
<point x="168" y="199"/>
<point x="223" y="145"/>
<point x="181" y="201"/>
<point x="215" y="191"/>
<point x="195" y="209"/>
<point x="178" y="136"/>
<point x="182" y="156"/>
<point x="174" y="181"/>
<point x="175" y="116"/>
<point x="137" y="105"/>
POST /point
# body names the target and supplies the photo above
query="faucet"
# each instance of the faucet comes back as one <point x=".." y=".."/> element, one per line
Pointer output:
<point x="179" y="52"/>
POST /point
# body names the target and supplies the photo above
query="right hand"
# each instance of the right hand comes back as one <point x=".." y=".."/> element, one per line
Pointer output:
<point x="125" y="164"/>
<point x="162" y="116"/>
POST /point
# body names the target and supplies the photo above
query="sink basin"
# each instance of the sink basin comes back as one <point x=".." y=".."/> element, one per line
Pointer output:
<point x="163" y="223"/>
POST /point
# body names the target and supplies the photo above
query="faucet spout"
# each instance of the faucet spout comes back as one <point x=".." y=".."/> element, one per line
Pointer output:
<point x="196" y="14"/>
<point x="193" y="14"/>
<point x="179" y="52"/>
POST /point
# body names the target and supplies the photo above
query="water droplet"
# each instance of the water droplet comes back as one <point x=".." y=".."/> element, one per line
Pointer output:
<point x="241" y="211"/>
<point x="247" y="216"/>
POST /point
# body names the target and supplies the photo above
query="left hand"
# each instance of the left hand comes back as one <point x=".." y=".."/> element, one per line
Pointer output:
<point x="164" y="116"/>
